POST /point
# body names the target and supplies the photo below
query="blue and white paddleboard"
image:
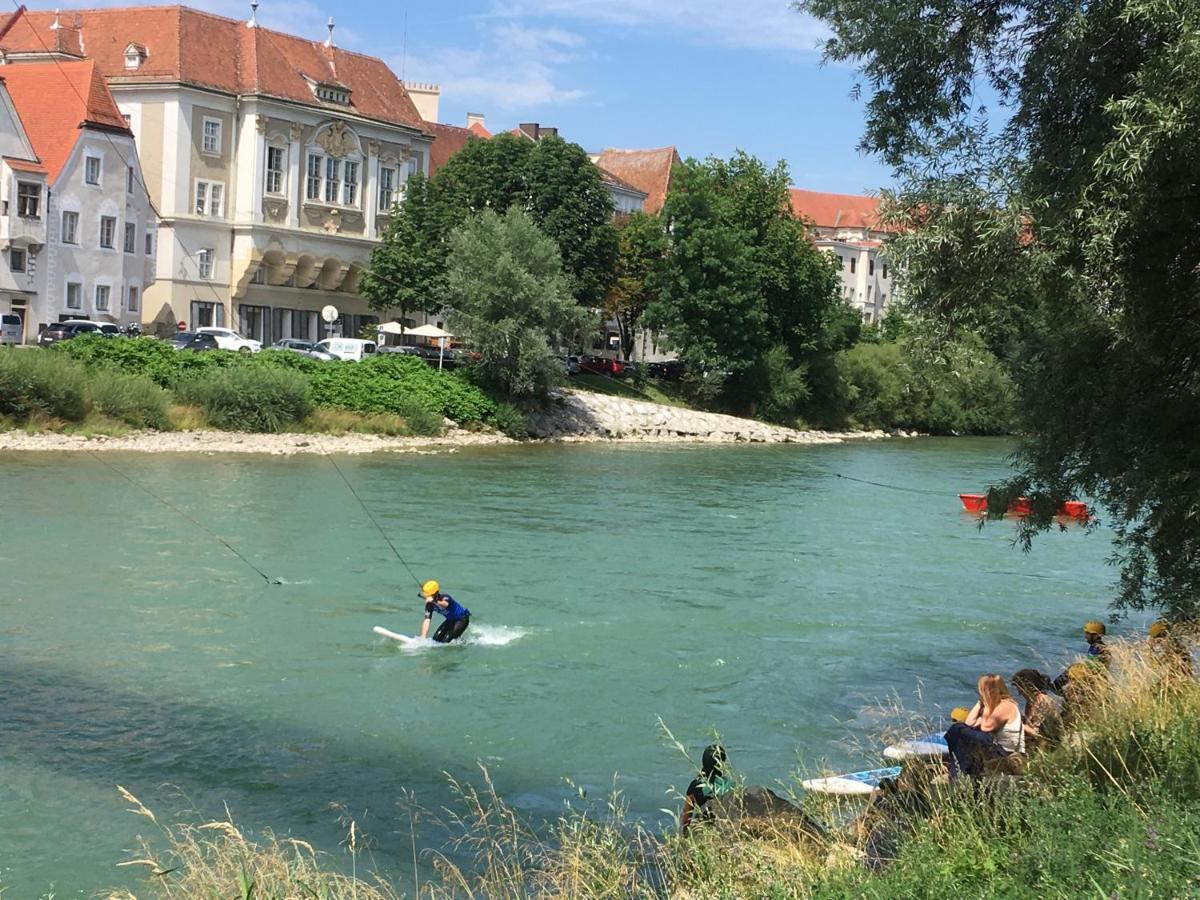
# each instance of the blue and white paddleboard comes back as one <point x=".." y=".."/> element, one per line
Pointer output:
<point x="852" y="783"/>
<point x="929" y="745"/>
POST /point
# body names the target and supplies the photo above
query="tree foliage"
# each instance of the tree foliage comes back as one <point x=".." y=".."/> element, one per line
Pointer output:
<point x="742" y="279"/>
<point x="642" y="248"/>
<point x="511" y="300"/>
<point x="1070" y="238"/>
<point x="552" y="180"/>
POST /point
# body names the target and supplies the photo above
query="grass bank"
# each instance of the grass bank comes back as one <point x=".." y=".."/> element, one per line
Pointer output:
<point x="111" y="386"/>
<point x="1114" y="811"/>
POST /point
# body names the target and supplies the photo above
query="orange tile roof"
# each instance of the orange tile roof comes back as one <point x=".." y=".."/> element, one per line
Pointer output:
<point x="836" y="210"/>
<point x="25" y="165"/>
<point x="199" y="48"/>
<point x="647" y="170"/>
<point x="609" y="178"/>
<point x="478" y="130"/>
<point x="55" y="101"/>
<point x="447" y="140"/>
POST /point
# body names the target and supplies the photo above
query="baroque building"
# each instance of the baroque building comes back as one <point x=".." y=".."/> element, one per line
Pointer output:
<point x="273" y="160"/>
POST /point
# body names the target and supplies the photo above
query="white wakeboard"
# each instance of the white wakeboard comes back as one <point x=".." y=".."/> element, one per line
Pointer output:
<point x="928" y="745"/>
<point x="402" y="638"/>
<point x="852" y="783"/>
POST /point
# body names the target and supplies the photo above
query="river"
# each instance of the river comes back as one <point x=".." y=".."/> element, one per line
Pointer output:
<point x="746" y="591"/>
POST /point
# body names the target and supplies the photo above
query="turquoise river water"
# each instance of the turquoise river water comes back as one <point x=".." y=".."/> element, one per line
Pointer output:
<point x="746" y="591"/>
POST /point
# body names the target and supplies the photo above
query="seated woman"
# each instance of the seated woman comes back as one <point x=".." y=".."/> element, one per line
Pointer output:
<point x="712" y="782"/>
<point x="1041" y="720"/>
<point x="991" y="731"/>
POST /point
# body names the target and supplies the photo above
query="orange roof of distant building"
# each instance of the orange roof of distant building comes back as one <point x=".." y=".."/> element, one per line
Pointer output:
<point x="609" y="178"/>
<point x="210" y="51"/>
<point x="55" y="100"/>
<point x="447" y="140"/>
<point x="836" y="210"/>
<point x="647" y="170"/>
<point x="478" y="129"/>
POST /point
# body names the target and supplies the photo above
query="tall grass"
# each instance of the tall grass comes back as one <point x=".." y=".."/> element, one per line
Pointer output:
<point x="132" y="399"/>
<point x="33" y="383"/>
<point x="249" y="399"/>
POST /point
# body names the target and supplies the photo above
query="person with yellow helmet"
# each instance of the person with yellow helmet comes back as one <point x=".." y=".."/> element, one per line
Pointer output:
<point x="1093" y="633"/>
<point x="456" y="617"/>
<point x="1168" y="653"/>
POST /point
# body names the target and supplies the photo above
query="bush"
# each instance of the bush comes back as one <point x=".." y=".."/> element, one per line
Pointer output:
<point x="511" y="420"/>
<point x="246" y="398"/>
<point x="132" y="399"/>
<point x="33" y="382"/>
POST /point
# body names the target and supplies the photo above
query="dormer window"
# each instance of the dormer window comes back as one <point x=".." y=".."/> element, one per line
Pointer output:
<point x="135" y="55"/>
<point x="332" y="93"/>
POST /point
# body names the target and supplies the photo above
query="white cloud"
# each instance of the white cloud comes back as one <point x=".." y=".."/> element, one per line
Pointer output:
<point x="512" y="69"/>
<point x="751" y="24"/>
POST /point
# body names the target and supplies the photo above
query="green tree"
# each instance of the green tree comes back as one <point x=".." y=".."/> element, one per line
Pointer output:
<point x="554" y="181"/>
<point x="1069" y="238"/>
<point x="742" y="279"/>
<point x="642" y="248"/>
<point x="511" y="301"/>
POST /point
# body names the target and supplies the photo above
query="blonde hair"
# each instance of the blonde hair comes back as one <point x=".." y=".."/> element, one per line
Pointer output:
<point x="992" y="690"/>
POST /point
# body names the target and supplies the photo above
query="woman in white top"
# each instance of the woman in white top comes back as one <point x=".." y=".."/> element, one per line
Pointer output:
<point x="992" y="729"/>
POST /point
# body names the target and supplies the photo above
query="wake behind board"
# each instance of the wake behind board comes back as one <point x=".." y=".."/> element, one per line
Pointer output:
<point x="929" y="745"/>
<point x="402" y="638"/>
<point x="852" y="783"/>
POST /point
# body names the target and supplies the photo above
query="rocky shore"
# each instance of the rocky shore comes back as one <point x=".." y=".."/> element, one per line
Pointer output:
<point x="573" y="417"/>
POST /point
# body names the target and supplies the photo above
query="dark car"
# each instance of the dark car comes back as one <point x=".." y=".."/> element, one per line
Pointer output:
<point x="64" y="331"/>
<point x="190" y="340"/>
<point x="670" y="370"/>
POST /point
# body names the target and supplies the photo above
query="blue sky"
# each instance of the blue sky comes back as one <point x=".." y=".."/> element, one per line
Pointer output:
<point x="709" y="76"/>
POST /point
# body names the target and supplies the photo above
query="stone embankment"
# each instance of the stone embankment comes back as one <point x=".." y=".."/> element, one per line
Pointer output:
<point x="586" y="416"/>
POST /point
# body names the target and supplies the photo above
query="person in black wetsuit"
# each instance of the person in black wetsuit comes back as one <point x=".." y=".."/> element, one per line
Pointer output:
<point x="456" y="616"/>
<point x="712" y="782"/>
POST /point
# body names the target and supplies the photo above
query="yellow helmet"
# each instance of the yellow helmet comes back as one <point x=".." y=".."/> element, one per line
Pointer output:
<point x="430" y="588"/>
<point x="1158" y="629"/>
<point x="1093" y="627"/>
<point x="959" y="714"/>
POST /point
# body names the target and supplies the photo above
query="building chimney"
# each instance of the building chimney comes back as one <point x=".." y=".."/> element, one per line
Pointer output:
<point x="529" y="129"/>
<point x="475" y="119"/>
<point x="425" y="97"/>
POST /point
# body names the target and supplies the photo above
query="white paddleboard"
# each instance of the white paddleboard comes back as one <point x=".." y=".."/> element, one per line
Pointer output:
<point x="929" y="745"/>
<point x="402" y="638"/>
<point x="852" y="783"/>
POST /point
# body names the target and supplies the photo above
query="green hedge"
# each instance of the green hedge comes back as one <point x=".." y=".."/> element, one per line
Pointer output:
<point x="388" y="383"/>
<point x="33" y="383"/>
<point x="243" y="398"/>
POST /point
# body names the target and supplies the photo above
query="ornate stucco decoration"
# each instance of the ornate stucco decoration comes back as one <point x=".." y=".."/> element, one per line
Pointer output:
<point x="372" y="148"/>
<point x="296" y="131"/>
<point x="336" y="141"/>
<point x="274" y="210"/>
<point x="332" y="221"/>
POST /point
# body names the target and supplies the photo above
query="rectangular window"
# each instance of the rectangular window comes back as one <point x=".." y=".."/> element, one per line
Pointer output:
<point x="74" y="295"/>
<point x="207" y="315"/>
<point x="274" y="170"/>
<point x="885" y="270"/>
<point x="259" y="276"/>
<point x="853" y="265"/>
<point x="210" y="196"/>
<point x="350" y="187"/>
<point x="132" y="303"/>
<point x="29" y="199"/>
<point x="102" y="291"/>
<point x="131" y="237"/>
<point x="204" y="262"/>
<point x="211" y="140"/>
<point x="91" y="169"/>
<point x="108" y="229"/>
<point x="870" y="267"/>
<point x="313" y="183"/>
<point x="332" y="179"/>
<point x="149" y="243"/>
<point x="129" y="180"/>
<point x="387" y="188"/>
<point x="253" y="322"/>
<point x="16" y="260"/>
<point x="70" y="227"/>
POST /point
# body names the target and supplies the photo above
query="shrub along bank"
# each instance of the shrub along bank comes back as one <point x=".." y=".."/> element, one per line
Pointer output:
<point x="135" y="381"/>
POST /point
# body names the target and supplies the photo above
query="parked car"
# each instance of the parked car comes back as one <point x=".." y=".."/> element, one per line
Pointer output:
<point x="670" y="370"/>
<point x="10" y="328"/>
<point x="599" y="365"/>
<point x="194" y="340"/>
<point x="64" y="331"/>
<point x="302" y="347"/>
<point x="228" y="339"/>
<point x="351" y="349"/>
<point x="570" y="364"/>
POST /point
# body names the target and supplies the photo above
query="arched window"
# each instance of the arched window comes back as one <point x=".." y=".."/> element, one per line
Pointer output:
<point x="333" y="167"/>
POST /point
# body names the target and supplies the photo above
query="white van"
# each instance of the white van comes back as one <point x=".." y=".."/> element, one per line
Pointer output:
<point x="350" y="349"/>
<point x="10" y="328"/>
